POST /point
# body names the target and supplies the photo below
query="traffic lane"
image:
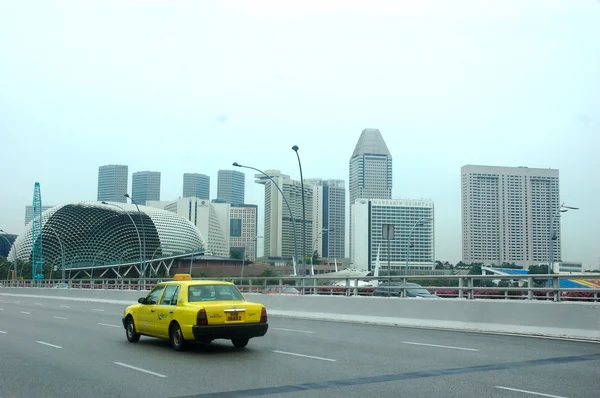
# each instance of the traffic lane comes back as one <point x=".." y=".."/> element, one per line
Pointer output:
<point x="34" y="363"/>
<point x="504" y="347"/>
<point x="60" y="305"/>
<point x="469" y="381"/>
<point x="254" y="366"/>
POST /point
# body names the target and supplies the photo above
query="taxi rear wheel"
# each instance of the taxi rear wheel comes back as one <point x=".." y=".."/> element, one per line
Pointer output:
<point x="132" y="335"/>
<point x="177" y="338"/>
<point x="240" y="343"/>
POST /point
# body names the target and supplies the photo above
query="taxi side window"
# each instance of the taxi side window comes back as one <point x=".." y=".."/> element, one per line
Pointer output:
<point x="154" y="295"/>
<point x="170" y="296"/>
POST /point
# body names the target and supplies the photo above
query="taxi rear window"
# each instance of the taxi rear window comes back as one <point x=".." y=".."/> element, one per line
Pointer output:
<point x="213" y="293"/>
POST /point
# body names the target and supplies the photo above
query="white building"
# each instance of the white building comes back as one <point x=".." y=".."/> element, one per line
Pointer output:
<point x="370" y="171"/>
<point x="316" y="185"/>
<point x="506" y="213"/>
<point x="212" y="219"/>
<point x="243" y="219"/>
<point x="279" y="231"/>
<point x="368" y="217"/>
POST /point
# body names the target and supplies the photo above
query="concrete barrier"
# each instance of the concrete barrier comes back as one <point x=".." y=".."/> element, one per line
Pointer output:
<point x="564" y="320"/>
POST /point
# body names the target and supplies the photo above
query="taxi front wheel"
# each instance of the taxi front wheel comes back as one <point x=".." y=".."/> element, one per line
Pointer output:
<point x="132" y="335"/>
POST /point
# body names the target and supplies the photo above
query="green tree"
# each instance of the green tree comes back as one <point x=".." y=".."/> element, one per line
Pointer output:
<point x="439" y="265"/>
<point x="475" y="269"/>
<point x="538" y="270"/>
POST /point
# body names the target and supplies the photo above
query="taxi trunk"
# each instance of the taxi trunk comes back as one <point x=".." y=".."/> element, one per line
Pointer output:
<point x="228" y="312"/>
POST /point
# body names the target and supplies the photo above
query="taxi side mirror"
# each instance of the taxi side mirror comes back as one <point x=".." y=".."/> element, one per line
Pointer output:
<point x="142" y="300"/>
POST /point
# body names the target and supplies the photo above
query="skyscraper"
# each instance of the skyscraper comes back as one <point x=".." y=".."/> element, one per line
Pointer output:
<point x="279" y="231"/>
<point x="196" y="186"/>
<point x="231" y="185"/>
<point x="112" y="183"/>
<point x="329" y="217"/>
<point x="506" y="214"/>
<point x="370" y="170"/>
<point x="145" y="185"/>
<point x="334" y="218"/>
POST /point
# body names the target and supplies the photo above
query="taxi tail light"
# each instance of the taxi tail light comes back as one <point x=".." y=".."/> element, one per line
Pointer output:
<point x="201" y="318"/>
<point x="263" y="315"/>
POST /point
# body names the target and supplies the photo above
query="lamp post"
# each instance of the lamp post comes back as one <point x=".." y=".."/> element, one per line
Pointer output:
<point x="410" y="245"/>
<point x="135" y="226"/>
<point x="62" y="252"/>
<point x="143" y="235"/>
<point x="561" y="209"/>
<point x="295" y="149"/>
<point x="236" y="164"/>
<point x="312" y="254"/>
<point x="244" y="254"/>
<point x="15" y="256"/>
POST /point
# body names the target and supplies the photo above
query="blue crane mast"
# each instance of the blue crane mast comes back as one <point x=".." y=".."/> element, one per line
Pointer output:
<point x="37" y="261"/>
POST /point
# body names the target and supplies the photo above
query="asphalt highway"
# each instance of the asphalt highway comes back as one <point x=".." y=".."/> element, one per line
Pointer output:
<point x="62" y="348"/>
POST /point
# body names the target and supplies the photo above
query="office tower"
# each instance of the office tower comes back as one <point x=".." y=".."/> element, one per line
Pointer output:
<point x="370" y="170"/>
<point x="145" y="185"/>
<point x="405" y="215"/>
<point x="243" y="232"/>
<point x="329" y="217"/>
<point x="231" y="185"/>
<point x="29" y="212"/>
<point x="279" y="231"/>
<point x="506" y="214"/>
<point x="196" y="186"/>
<point x="112" y="183"/>
<point x="317" y="233"/>
<point x="334" y="219"/>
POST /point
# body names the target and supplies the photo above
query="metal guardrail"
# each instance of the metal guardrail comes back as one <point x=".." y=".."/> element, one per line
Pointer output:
<point x="470" y="287"/>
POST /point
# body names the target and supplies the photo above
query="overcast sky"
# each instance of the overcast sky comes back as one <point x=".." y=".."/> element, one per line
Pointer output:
<point x="192" y="86"/>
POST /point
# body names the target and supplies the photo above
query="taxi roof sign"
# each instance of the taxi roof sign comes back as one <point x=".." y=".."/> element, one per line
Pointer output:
<point x="182" y="277"/>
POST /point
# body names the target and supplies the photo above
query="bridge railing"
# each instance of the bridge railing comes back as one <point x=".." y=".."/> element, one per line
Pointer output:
<point x="470" y="287"/>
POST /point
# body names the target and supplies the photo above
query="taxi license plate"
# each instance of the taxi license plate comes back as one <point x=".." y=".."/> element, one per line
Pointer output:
<point x="234" y="316"/>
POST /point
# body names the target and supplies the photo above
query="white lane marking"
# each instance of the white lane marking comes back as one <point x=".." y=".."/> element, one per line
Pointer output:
<point x="139" y="369"/>
<point x="25" y="312"/>
<point x="2" y="332"/>
<point x="65" y="306"/>
<point x="304" y="356"/>
<point x="1" y="309"/>
<point x="17" y="302"/>
<point x="293" y="330"/>
<point x="96" y="309"/>
<point x="59" y="317"/>
<point x="109" y="325"/>
<point x="48" y="344"/>
<point x="440" y="346"/>
<point x="38" y="304"/>
<point x="529" y="392"/>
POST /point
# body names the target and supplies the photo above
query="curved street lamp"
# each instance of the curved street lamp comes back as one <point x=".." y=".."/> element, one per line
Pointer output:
<point x="236" y="164"/>
<point x="9" y="246"/>
<point x="561" y="209"/>
<point x="135" y="226"/>
<point x="143" y="234"/>
<point x="410" y="245"/>
<point x="295" y="149"/>
<point x="312" y="254"/>
<point x="62" y="252"/>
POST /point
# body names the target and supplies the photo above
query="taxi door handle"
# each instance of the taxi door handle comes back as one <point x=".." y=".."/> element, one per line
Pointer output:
<point x="152" y="310"/>
<point x="170" y="312"/>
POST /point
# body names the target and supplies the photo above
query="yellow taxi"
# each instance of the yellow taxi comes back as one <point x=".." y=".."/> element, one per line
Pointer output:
<point x="185" y="310"/>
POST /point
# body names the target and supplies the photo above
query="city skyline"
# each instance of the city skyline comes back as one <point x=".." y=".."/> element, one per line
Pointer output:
<point x="449" y="94"/>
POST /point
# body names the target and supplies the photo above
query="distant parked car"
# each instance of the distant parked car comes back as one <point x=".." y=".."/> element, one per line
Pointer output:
<point x="61" y="286"/>
<point x="283" y="290"/>
<point x="394" y="289"/>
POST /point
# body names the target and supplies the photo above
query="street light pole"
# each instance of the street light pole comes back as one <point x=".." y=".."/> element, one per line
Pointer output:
<point x="135" y="226"/>
<point x="143" y="235"/>
<point x="312" y="254"/>
<point x="410" y="245"/>
<point x="561" y="209"/>
<point x="15" y="256"/>
<point x="236" y="164"/>
<point x="62" y="252"/>
<point x="295" y="149"/>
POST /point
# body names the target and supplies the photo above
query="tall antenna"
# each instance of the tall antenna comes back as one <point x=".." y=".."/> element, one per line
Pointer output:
<point x="37" y="261"/>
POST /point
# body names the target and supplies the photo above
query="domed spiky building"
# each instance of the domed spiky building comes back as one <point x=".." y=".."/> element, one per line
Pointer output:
<point x="96" y="233"/>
